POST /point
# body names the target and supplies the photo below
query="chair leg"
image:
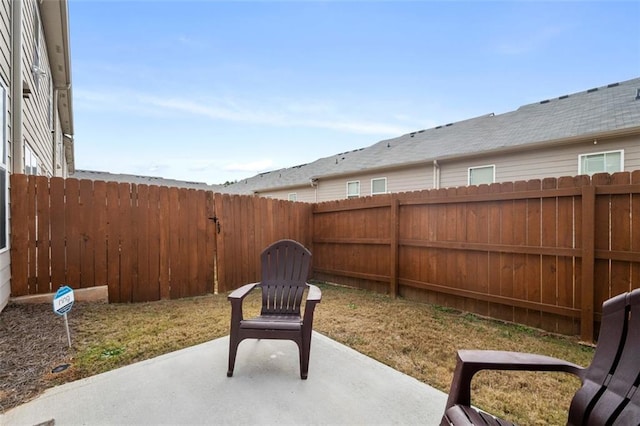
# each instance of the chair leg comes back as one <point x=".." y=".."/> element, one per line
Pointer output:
<point x="305" y="349"/>
<point x="233" y="350"/>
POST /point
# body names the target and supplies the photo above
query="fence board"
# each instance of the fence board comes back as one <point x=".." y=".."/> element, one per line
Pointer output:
<point x="20" y="240"/>
<point x="164" y="248"/>
<point x="58" y="262"/>
<point x="566" y="233"/>
<point x="153" y="219"/>
<point x="99" y="230"/>
<point x="601" y="277"/>
<point x="635" y="227"/>
<point x="113" y="241"/>
<point x="518" y="237"/>
<point x="33" y="248"/>
<point x="211" y="242"/>
<point x="126" y="196"/>
<point x="534" y="261"/>
<point x="482" y="306"/>
<point x="72" y="231"/>
<point x="42" y="232"/>
<point x="87" y="254"/>
<point x="193" y="283"/>
<point x="142" y="289"/>
<point x="620" y="234"/>
<point x="176" y="242"/>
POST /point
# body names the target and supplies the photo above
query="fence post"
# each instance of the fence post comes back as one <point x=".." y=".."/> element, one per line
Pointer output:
<point x="394" y="249"/>
<point x="588" y="255"/>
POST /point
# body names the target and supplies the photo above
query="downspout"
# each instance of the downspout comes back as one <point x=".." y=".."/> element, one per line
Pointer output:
<point x="16" y="88"/>
<point x="314" y="185"/>
<point x="54" y="131"/>
<point x="436" y="174"/>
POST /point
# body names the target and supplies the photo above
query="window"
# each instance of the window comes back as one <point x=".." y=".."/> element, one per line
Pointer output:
<point x="4" y="188"/>
<point x="378" y="186"/>
<point x="353" y="189"/>
<point x="293" y="196"/>
<point x="30" y="161"/>
<point x="610" y="162"/>
<point x="482" y="174"/>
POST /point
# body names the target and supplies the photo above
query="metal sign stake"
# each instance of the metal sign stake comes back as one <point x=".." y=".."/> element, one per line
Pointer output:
<point x="66" y="324"/>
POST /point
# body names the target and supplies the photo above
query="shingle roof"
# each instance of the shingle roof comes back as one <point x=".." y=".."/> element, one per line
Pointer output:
<point x="143" y="180"/>
<point x="596" y="111"/>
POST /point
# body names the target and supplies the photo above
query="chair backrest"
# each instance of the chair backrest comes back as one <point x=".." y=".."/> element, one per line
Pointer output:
<point x="285" y="268"/>
<point x="609" y="394"/>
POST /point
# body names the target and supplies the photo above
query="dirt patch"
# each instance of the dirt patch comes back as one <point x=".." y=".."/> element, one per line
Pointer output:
<point x="33" y="341"/>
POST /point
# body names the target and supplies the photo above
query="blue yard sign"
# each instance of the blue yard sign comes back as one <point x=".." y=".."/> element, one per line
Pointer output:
<point x="62" y="303"/>
<point x="63" y="300"/>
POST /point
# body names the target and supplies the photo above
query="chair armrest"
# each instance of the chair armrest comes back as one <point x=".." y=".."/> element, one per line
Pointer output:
<point x="236" y="297"/>
<point x="242" y="292"/>
<point x="313" y="298"/>
<point x="469" y="362"/>
<point x="315" y="294"/>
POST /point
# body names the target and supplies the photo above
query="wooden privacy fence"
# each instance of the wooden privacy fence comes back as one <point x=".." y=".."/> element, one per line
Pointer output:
<point x="545" y="253"/>
<point x="145" y="242"/>
<point x="247" y="225"/>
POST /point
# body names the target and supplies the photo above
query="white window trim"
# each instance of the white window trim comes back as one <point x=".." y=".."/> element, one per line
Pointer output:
<point x="292" y="196"/>
<point x="31" y="161"/>
<point x="385" y="186"/>
<point x="353" y="195"/>
<point x="493" y="178"/>
<point x="581" y="156"/>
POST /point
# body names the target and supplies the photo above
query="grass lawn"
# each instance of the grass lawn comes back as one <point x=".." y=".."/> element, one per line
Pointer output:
<point x="417" y="339"/>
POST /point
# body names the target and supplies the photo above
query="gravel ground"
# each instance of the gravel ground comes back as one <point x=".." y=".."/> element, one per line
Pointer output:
<point x="33" y="341"/>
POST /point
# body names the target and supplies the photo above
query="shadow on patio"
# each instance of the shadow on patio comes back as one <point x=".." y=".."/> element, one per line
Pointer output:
<point x="190" y="387"/>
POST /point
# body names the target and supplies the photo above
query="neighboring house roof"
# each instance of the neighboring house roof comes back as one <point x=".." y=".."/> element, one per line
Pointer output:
<point x="604" y="111"/>
<point x="55" y="22"/>
<point x="143" y="180"/>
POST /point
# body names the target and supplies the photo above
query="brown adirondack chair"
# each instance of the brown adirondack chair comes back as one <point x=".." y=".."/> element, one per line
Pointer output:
<point x="285" y="268"/>
<point x="609" y="394"/>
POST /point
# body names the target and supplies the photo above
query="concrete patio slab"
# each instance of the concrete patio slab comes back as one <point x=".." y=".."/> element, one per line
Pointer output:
<point x="190" y="386"/>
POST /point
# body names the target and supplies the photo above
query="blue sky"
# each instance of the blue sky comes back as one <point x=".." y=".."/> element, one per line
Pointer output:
<point x="215" y="91"/>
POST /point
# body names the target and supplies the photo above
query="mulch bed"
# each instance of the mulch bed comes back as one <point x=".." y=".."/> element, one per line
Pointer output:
<point x="33" y="341"/>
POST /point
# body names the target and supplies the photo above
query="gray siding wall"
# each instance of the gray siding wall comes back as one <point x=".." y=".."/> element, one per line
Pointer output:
<point x="36" y="116"/>
<point x="5" y="76"/>
<point x="540" y="163"/>
<point x="305" y="194"/>
<point x="398" y="180"/>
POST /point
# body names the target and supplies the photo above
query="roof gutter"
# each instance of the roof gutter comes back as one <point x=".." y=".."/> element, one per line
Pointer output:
<point x="55" y="20"/>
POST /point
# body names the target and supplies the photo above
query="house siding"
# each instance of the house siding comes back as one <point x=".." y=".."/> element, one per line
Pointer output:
<point x="40" y="127"/>
<point x="5" y="76"/>
<point x="540" y="163"/>
<point x="550" y="161"/>
<point x="398" y="180"/>
<point x="37" y="127"/>
<point x="303" y="194"/>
